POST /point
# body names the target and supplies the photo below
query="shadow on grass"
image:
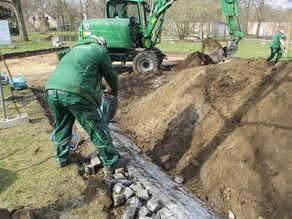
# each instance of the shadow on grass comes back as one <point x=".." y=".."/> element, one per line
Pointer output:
<point x="7" y="178"/>
<point x="35" y="164"/>
<point x="4" y="157"/>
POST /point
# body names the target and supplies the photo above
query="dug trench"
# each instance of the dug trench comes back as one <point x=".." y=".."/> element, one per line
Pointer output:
<point x="150" y="81"/>
<point x="225" y="128"/>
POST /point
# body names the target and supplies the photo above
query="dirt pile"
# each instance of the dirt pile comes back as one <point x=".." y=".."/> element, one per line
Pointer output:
<point x="225" y="128"/>
<point x="135" y="85"/>
<point x="193" y="60"/>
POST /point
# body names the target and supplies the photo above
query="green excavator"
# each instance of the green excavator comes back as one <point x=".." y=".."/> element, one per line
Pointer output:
<point x="132" y="28"/>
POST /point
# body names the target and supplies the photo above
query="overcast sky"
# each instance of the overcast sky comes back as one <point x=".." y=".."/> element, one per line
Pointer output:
<point x="283" y="3"/>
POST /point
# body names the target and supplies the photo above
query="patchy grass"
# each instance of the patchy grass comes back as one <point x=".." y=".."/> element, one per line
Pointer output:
<point x="29" y="176"/>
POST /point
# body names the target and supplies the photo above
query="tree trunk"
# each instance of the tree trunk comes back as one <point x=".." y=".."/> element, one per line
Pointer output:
<point x="16" y="5"/>
<point x="246" y="24"/>
<point x="202" y="30"/>
<point x="81" y="10"/>
<point x="208" y="28"/>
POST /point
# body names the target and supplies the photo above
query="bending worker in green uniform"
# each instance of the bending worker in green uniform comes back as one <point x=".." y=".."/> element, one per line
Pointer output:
<point x="74" y="91"/>
<point x="276" y="44"/>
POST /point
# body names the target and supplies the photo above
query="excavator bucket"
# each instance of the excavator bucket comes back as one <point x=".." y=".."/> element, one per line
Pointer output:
<point x="212" y="48"/>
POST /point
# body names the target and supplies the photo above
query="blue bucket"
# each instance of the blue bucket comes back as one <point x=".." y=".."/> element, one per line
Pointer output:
<point x="18" y="83"/>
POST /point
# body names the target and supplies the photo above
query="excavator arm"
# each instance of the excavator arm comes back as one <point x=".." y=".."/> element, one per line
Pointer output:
<point x="156" y="19"/>
<point x="212" y="47"/>
<point x="159" y="7"/>
<point x="231" y="14"/>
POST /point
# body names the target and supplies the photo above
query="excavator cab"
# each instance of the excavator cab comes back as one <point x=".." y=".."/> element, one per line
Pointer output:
<point x="126" y="9"/>
<point x="122" y="27"/>
<point x="136" y="12"/>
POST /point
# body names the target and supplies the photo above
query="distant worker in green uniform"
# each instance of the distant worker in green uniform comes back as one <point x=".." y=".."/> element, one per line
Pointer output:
<point x="276" y="44"/>
<point x="124" y="12"/>
<point x="74" y="91"/>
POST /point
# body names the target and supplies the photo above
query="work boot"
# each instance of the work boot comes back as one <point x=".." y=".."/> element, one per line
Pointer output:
<point x="65" y="163"/>
<point x="122" y="162"/>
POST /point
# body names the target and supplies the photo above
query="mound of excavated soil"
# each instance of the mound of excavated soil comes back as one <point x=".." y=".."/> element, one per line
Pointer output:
<point x="227" y="129"/>
<point x="193" y="60"/>
<point x="135" y="85"/>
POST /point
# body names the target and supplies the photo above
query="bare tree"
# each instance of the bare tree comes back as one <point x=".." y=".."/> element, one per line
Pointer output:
<point x="182" y="16"/>
<point x="35" y="11"/>
<point x="17" y="8"/>
<point x="186" y="13"/>
<point x="262" y="8"/>
<point x="84" y="7"/>
<point x="246" y="9"/>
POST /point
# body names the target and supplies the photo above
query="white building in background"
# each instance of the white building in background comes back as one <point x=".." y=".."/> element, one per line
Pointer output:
<point x="267" y="29"/>
<point x="34" y="20"/>
<point x="220" y="30"/>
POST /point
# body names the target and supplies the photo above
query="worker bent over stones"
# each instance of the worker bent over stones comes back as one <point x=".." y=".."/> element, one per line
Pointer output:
<point x="74" y="91"/>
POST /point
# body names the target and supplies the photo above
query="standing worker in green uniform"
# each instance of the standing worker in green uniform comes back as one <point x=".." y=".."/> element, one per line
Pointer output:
<point x="276" y="44"/>
<point x="74" y="91"/>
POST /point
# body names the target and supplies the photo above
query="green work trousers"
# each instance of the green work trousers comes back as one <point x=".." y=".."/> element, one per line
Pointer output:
<point x="275" y="51"/>
<point x="66" y="107"/>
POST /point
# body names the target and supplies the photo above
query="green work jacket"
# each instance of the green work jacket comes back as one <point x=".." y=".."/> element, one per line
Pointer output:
<point x="276" y="42"/>
<point x="81" y="70"/>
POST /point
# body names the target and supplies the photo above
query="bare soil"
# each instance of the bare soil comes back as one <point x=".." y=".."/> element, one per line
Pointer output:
<point x="193" y="60"/>
<point x="227" y="130"/>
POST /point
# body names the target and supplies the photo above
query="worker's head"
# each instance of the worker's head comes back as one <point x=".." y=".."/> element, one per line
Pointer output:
<point x="125" y="7"/>
<point x="100" y="40"/>
<point x="282" y="31"/>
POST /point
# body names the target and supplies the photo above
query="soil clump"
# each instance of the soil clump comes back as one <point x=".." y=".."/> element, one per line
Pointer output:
<point x="193" y="60"/>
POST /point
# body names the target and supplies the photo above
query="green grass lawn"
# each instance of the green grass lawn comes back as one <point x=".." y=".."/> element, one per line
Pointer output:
<point x="180" y="46"/>
<point x="29" y="176"/>
<point x="248" y="48"/>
